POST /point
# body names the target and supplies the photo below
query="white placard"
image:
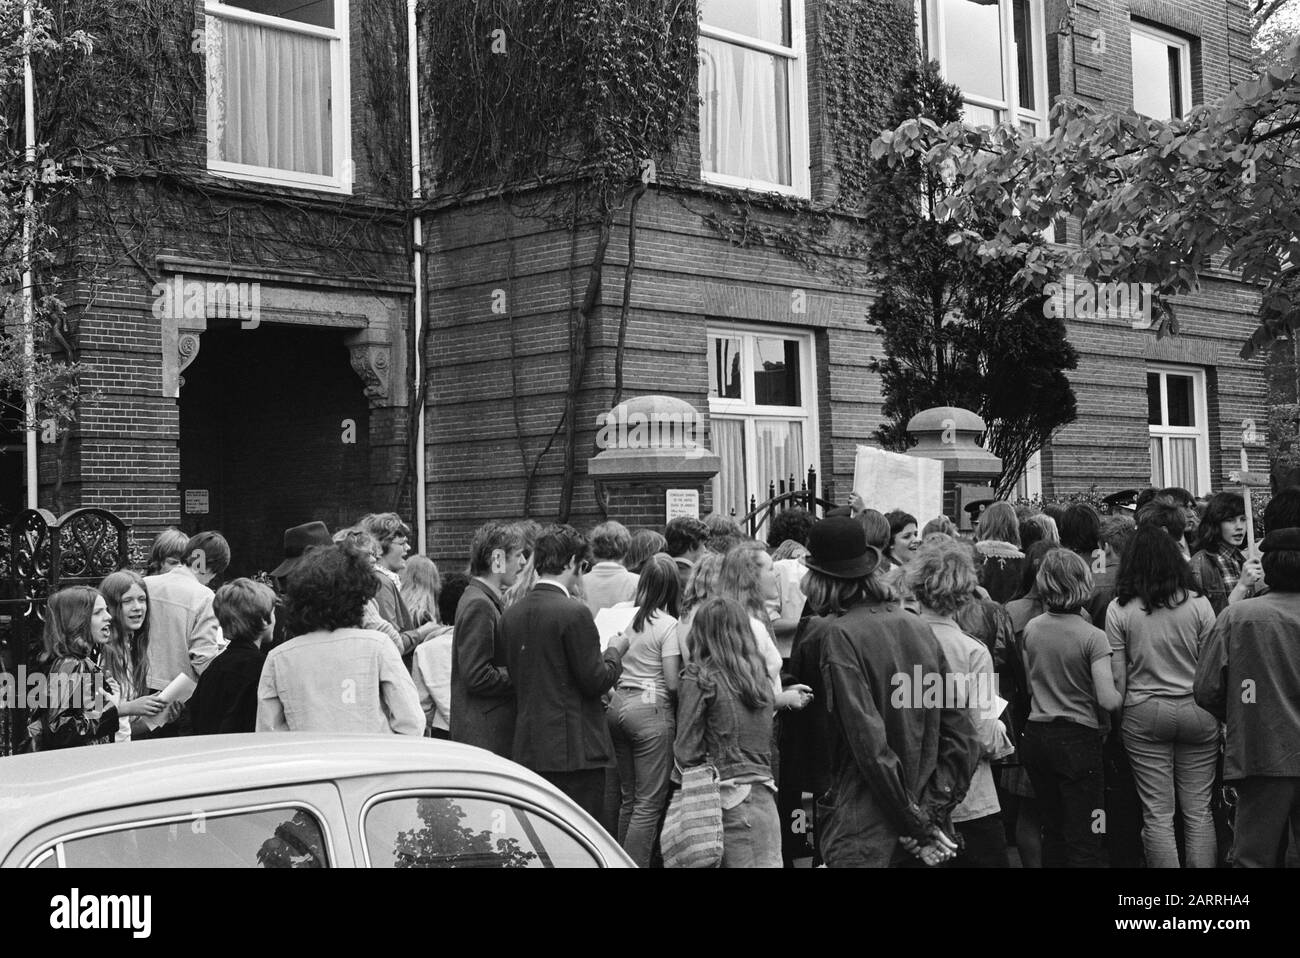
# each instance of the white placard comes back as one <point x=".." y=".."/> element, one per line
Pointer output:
<point x="890" y="480"/>
<point x="681" y="503"/>
<point x="610" y="622"/>
<point x="196" y="502"/>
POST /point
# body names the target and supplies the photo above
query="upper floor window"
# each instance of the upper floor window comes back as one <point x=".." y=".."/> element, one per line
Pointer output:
<point x="753" y="115"/>
<point x="1162" y="73"/>
<point x="278" y="91"/>
<point x="995" y="51"/>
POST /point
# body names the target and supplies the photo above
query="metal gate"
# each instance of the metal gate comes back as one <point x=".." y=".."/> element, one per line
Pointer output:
<point x="45" y="554"/>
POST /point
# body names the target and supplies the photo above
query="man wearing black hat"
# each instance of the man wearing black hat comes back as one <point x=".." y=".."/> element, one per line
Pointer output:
<point x="1249" y="676"/>
<point x="298" y="541"/>
<point x="898" y="767"/>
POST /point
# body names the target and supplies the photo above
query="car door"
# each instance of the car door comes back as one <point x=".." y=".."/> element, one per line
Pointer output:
<point x="299" y="826"/>
<point x="449" y="820"/>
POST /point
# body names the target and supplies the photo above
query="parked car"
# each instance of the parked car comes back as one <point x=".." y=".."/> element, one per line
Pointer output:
<point x="290" y="801"/>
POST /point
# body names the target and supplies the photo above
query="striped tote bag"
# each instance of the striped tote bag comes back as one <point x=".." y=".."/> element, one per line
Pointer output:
<point x="692" y="832"/>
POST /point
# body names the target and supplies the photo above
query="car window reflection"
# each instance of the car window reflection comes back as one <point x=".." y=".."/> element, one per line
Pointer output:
<point x="268" y="838"/>
<point x="464" y="832"/>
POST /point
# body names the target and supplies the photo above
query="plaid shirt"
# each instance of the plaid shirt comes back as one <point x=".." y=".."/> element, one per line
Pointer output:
<point x="1229" y="559"/>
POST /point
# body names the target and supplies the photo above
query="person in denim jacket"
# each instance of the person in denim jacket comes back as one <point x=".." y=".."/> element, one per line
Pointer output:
<point x="724" y="718"/>
<point x="896" y="773"/>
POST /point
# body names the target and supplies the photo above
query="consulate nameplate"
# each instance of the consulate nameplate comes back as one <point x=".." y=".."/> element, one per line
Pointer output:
<point x="680" y="503"/>
<point x="196" y="502"/>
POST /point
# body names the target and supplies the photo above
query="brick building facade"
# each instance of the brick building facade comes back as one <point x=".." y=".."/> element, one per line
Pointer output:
<point x="773" y="353"/>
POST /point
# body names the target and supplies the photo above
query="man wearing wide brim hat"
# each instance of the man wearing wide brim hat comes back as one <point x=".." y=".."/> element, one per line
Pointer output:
<point x="298" y="543"/>
<point x="900" y="760"/>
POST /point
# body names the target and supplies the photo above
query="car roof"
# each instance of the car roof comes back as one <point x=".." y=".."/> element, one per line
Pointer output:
<point x="38" y="789"/>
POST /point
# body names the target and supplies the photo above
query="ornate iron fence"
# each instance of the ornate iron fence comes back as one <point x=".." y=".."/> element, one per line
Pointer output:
<point x="781" y="496"/>
<point x="43" y="555"/>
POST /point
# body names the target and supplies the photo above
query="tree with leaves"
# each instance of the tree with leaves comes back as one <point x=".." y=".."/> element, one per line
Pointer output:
<point x="957" y="331"/>
<point x="45" y="374"/>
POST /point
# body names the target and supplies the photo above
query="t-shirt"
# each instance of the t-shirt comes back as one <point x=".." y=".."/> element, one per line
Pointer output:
<point x="643" y="663"/>
<point x="1161" y="648"/>
<point x="767" y="648"/>
<point x="1060" y="648"/>
<point x="789" y="575"/>
<point x="432" y="676"/>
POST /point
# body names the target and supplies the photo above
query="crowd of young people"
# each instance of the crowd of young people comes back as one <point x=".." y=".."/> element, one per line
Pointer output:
<point x="871" y="691"/>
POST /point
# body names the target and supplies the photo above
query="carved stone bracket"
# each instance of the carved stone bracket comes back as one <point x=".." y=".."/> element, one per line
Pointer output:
<point x="371" y="359"/>
<point x="187" y="349"/>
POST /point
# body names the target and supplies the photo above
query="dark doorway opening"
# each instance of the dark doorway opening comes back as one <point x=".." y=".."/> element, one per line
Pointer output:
<point x="275" y="428"/>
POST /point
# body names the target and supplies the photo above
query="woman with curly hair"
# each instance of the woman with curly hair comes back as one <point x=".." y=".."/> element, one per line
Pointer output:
<point x="336" y="676"/>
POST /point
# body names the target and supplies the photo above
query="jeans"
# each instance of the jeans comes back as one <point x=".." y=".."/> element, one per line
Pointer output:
<point x="1064" y="760"/>
<point x="1266" y="806"/>
<point x="751" y="832"/>
<point x="1173" y="745"/>
<point x="643" y="727"/>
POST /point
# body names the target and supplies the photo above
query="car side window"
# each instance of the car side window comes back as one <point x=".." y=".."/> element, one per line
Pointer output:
<point x="455" y="831"/>
<point x="257" y="838"/>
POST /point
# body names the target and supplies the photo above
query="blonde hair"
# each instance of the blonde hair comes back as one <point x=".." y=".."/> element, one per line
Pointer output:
<point x="421" y="585"/>
<point x="703" y="582"/>
<point x="1064" y="581"/>
<point x="998" y="523"/>
<point x="942" y="576"/>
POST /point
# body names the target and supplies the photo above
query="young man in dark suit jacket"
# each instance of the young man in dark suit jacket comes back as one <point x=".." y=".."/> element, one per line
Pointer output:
<point x="482" y="696"/>
<point x="560" y="674"/>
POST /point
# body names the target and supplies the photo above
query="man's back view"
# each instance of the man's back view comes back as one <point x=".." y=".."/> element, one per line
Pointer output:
<point x="184" y="635"/>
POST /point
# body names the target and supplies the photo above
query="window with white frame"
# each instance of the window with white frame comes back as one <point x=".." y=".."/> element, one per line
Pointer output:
<point x="1177" y="417"/>
<point x="277" y="91"/>
<point x="753" y="110"/>
<point x="762" y="411"/>
<point x="1162" y="73"/>
<point x="996" y="52"/>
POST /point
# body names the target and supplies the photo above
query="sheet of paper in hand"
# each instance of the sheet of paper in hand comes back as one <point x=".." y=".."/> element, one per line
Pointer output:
<point x="610" y="622"/>
<point x="890" y="480"/>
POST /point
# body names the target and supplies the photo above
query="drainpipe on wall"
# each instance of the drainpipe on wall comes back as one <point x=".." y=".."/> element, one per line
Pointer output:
<point x="29" y="290"/>
<point x="417" y="245"/>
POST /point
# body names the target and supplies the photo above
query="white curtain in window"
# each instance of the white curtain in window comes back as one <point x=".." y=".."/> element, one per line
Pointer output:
<point x="728" y="439"/>
<point x="745" y="118"/>
<point x="269" y="98"/>
<point x="1182" y="463"/>
<point x="1157" y="463"/>
<point x="780" y="452"/>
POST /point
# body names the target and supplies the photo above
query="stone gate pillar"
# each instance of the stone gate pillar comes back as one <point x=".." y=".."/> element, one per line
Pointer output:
<point x="653" y="449"/>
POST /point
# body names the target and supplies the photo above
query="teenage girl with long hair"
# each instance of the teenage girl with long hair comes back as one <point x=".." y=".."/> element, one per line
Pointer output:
<point x="83" y="699"/>
<point x="724" y="719"/>
<point x="125" y="656"/>
<point x="641" y="717"/>
<point x="421" y="585"/>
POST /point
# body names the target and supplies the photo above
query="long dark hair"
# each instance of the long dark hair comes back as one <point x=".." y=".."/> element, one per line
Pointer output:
<point x="1221" y="507"/>
<point x="1033" y="561"/>
<point x="658" y="591"/>
<point x="1153" y="569"/>
<point x="67" y="624"/>
<point x="723" y="650"/>
<point x="128" y="667"/>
